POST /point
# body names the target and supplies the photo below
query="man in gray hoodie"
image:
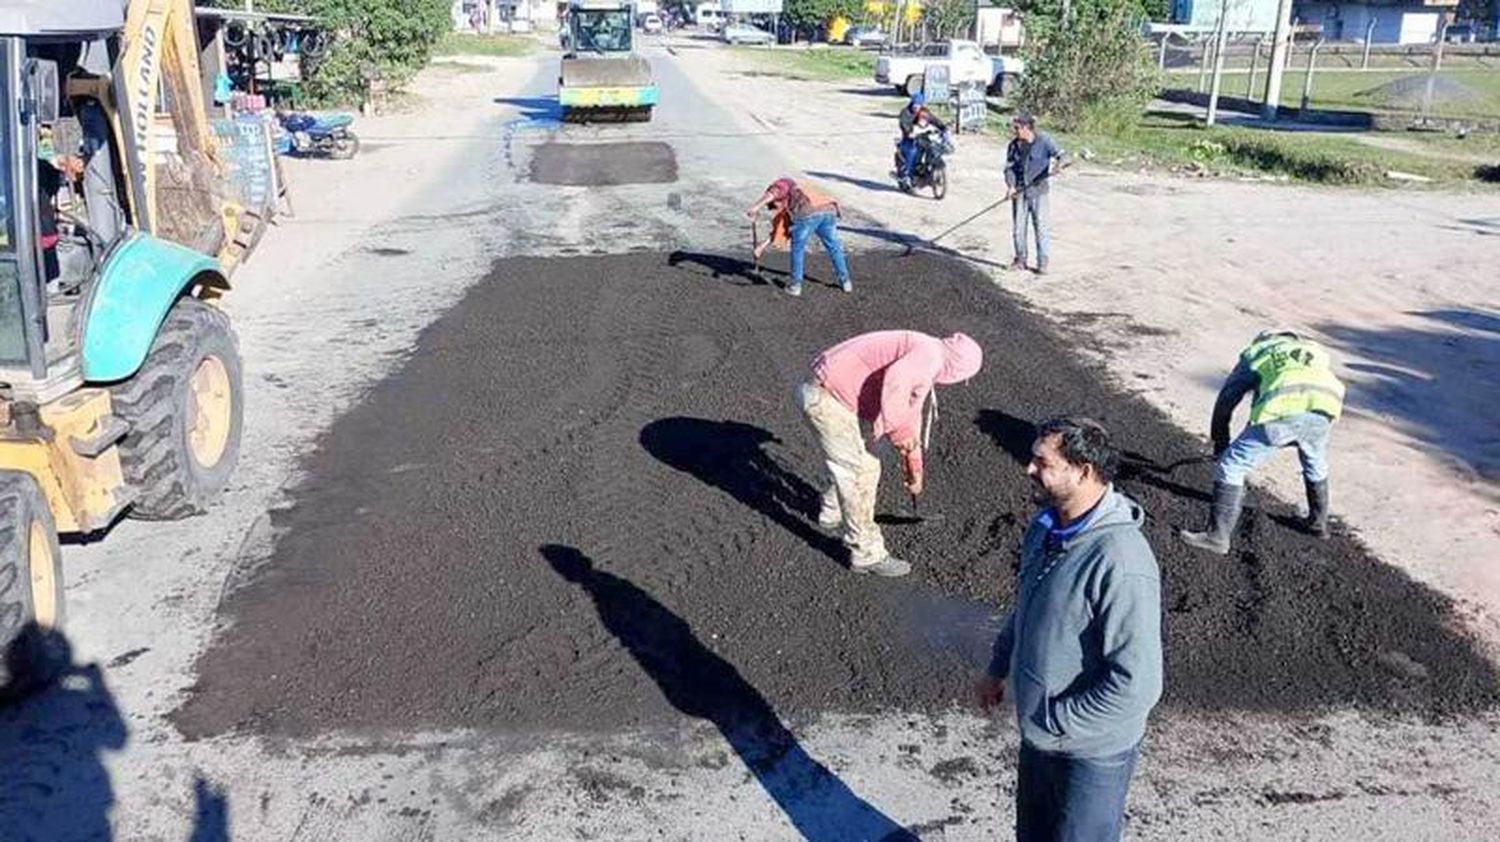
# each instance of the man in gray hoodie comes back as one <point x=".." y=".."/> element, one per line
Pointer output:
<point x="1082" y="646"/>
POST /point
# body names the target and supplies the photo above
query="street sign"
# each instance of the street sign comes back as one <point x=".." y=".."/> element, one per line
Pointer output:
<point x="935" y="84"/>
<point x="972" y="108"/>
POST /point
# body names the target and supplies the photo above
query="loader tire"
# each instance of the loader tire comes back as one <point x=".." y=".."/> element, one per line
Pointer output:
<point x="185" y="408"/>
<point x="31" y="589"/>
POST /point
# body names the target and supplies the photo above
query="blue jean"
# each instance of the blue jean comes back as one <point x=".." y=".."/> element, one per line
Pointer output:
<point x="826" y="226"/>
<point x="1030" y="206"/>
<point x="1307" y="432"/>
<point x="1071" y="799"/>
<point x="908" y="157"/>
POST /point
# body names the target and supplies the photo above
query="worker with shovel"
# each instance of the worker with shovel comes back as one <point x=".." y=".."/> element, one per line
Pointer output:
<point x="798" y="212"/>
<point x="885" y="379"/>
<point x="1297" y="399"/>
<point x="1030" y="160"/>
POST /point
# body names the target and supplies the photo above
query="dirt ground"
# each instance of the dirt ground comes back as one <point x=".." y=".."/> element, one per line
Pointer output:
<point x="1373" y="733"/>
<point x="1164" y="279"/>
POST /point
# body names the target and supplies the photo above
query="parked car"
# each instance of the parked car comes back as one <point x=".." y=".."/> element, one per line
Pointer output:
<point x="651" y="22"/>
<point x="905" y="71"/>
<point x="740" y="33"/>
<point x="1005" y="73"/>
<point x="864" y="36"/>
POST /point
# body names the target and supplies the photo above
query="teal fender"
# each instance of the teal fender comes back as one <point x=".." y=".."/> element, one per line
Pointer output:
<point x="141" y="279"/>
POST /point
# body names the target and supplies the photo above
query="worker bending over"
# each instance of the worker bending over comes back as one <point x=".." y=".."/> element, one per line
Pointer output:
<point x="885" y="379"/>
<point x="798" y="212"/>
<point x="1297" y="399"/>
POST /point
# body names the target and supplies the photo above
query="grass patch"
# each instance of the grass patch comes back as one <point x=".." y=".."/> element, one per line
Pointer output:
<point x="1359" y="91"/>
<point x="816" y="64"/>
<point x="472" y="44"/>
<point x="1162" y="140"/>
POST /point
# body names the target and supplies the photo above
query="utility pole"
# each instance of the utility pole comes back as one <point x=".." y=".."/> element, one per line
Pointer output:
<point x="1222" y="41"/>
<point x="1279" y="49"/>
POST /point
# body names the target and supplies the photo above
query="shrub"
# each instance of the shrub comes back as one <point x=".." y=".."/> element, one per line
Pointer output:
<point x="1096" y="63"/>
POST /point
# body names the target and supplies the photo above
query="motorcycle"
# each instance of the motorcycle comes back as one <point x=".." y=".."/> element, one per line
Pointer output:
<point x="930" y="169"/>
<point x="326" y="135"/>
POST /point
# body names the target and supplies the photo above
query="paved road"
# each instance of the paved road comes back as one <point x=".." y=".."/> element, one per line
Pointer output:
<point x="540" y="567"/>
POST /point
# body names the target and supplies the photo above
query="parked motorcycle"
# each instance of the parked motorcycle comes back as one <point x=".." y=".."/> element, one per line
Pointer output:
<point x="326" y="135"/>
<point x="931" y="170"/>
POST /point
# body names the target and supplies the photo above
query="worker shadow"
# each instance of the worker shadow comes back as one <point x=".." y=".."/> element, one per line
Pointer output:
<point x="732" y="457"/>
<point x="865" y="183"/>
<point x="53" y="741"/>
<point x="1420" y="379"/>
<point x="883" y="93"/>
<point x="722" y="267"/>
<point x="1016" y="435"/>
<point x="58" y="723"/>
<point x="916" y="243"/>
<point x="703" y="685"/>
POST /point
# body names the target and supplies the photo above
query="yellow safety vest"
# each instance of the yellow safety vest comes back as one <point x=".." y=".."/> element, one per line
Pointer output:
<point x="1295" y="376"/>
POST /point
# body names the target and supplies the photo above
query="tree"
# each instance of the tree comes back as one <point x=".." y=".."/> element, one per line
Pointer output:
<point x="1093" y="66"/>
<point x="808" y="15"/>
<point x="948" y="18"/>
<point x="392" y="37"/>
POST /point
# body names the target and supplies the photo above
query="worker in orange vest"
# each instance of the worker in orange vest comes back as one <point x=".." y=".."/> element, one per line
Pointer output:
<point x="799" y="212"/>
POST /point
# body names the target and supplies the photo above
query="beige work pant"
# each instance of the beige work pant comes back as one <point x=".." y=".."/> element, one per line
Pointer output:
<point x="850" y="498"/>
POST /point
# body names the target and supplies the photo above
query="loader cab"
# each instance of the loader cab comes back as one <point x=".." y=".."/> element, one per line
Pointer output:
<point x="60" y="211"/>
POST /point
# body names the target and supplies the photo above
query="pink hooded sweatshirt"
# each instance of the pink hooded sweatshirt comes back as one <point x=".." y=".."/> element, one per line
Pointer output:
<point x="885" y="376"/>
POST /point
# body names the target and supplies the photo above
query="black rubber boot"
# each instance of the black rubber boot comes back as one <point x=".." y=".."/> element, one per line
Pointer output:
<point x="1229" y="500"/>
<point x="1317" y="508"/>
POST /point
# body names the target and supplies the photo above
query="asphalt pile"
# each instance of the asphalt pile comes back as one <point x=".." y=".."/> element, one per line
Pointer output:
<point x="587" y="500"/>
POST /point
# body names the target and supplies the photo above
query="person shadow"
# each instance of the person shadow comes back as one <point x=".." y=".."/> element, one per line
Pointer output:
<point x="731" y="456"/>
<point x="56" y="726"/>
<point x="52" y="744"/>
<point x="703" y="685"/>
<point x="722" y="267"/>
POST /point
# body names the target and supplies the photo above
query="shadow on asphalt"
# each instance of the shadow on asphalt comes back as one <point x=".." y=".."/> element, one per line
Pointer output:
<point x="53" y="742"/>
<point x="703" y="685"/>
<point x="732" y="457"/>
<point x="914" y="242"/>
<point x="52" y="746"/>
<point x="887" y="93"/>
<point x="723" y="267"/>
<point x="865" y="183"/>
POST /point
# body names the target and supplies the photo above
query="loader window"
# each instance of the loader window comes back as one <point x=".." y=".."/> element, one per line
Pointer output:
<point x="12" y="320"/>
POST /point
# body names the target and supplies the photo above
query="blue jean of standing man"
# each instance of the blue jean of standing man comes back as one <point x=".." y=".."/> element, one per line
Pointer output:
<point x="1060" y="798"/>
<point x="1030" y="206"/>
<point x="826" y="226"/>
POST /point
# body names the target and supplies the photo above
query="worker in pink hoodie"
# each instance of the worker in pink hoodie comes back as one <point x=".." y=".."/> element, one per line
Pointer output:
<point x="883" y="379"/>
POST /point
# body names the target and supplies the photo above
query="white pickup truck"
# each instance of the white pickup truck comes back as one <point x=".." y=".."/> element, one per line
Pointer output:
<point x="965" y="62"/>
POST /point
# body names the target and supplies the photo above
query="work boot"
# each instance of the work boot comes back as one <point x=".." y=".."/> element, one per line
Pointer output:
<point x="1229" y="500"/>
<point x="1018" y="265"/>
<point x="794" y="290"/>
<point x="890" y="567"/>
<point x="846" y="285"/>
<point x="1317" y="507"/>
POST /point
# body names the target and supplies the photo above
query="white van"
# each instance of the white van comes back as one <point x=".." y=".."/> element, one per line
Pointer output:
<point x="709" y="16"/>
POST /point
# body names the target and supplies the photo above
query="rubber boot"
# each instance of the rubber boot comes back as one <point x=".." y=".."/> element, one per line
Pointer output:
<point x="1229" y="500"/>
<point x="1317" y="507"/>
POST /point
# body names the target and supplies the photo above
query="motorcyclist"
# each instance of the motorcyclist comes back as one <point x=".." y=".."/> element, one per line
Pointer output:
<point x="923" y="126"/>
<point x="908" y="145"/>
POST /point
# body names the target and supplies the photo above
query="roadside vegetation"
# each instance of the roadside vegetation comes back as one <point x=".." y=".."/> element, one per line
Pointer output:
<point x="471" y="44"/>
<point x="820" y="64"/>
<point x="1174" y="141"/>
<point x="1460" y="93"/>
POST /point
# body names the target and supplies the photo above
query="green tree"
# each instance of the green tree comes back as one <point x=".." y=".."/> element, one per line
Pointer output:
<point x="392" y="37"/>
<point x="948" y="18"/>
<point x="810" y="14"/>
<point x="1092" y="70"/>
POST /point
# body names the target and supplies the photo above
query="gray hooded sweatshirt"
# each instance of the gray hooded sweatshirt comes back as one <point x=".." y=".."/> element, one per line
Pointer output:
<point x="1082" y="647"/>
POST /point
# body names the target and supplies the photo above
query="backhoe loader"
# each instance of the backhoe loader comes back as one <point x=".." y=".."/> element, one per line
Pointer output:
<point x="120" y="380"/>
